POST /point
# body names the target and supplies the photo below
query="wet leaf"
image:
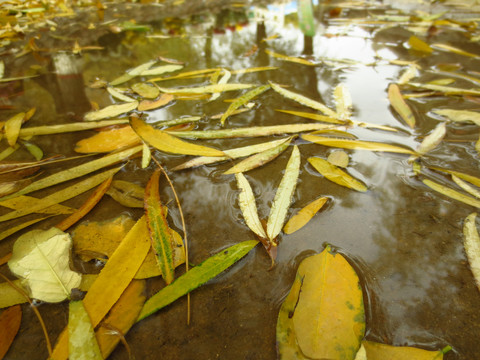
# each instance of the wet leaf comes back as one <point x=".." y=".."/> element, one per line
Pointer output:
<point x="111" y="111"/>
<point x="22" y="202"/>
<point x="336" y="175"/>
<point x="471" y="242"/>
<point x="215" y="88"/>
<point x="460" y="115"/>
<point x="242" y="100"/>
<point x="283" y="196"/>
<point x="312" y="116"/>
<point x="126" y="193"/>
<point x="419" y="45"/>
<point x="343" y="100"/>
<point x="108" y="140"/>
<point x="41" y="259"/>
<point x="323" y="315"/>
<point x="165" y="142"/>
<point x="442" y="81"/>
<point x="471" y="179"/>
<point x="146" y="90"/>
<point x="400" y="106"/>
<point x="304" y="215"/>
<point x="409" y="74"/>
<point x="146" y="156"/>
<point x="303" y="100"/>
<point x="290" y="58"/>
<point x="226" y="76"/>
<point x="10" y="295"/>
<point x="246" y="201"/>
<point x="13" y="229"/>
<point x="376" y="351"/>
<point x="8" y="151"/>
<point x="9" y="324"/>
<point x="258" y="159"/>
<point x="447" y="90"/>
<point x="197" y="276"/>
<point x="160" y="234"/>
<point x="454" y="50"/>
<point x="82" y="343"/>
<point x="159" y="70"/>
<point x="431" y="141"/>
<point x="453" y="194"/>
<point x="118" y="95"/>
<point x="133" y="72"/>
<point x="64" y="128"/>
<point x="361" y="353"/>
<point x="163" y="100"/>
<point x="466" y="187"/>
<point x="355" y="144"/>
<point x="34" y="150"/>
<point x="12" y="128"/>
<point x="338" y="158"/>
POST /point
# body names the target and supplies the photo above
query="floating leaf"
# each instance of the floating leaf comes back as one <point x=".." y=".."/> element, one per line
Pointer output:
<point x="187" y="74"/>
<point x="460" y="115"/>
<point x="408" y="74"/>
<point x="471" y="242"/>
<point x="22" y="202"/>
<point x="323" y="315"/>
<point x="82" y="343"/>
<point x="376" y="351"/>
<point x="242" y="100"/>
<point x="10" y="295"/>
<point x="197" y="276"/>
<point x="9" y="324"/>
<point x="126" y="193"/>
<point x="303" y="100"/>
<point x="258" y="159"/>
<point x="312" y="116"/>
<point x="162" y="239"/>
<point x="108" y="140"/>
<point x="64" y="128"/>
<point x="452" y="193"/>
<point x="132" y="73"/>
<point x="163" y="100"/>
<point x="304" y="215"/>
<point x="466" y="187"/>
<point x="343" y="100"/>
<point x="165" y="142"/>
<point x="338" y="158"/>
<point x="454" y="50"/>
<point x="442" y="81"/>
<point x="226" y="76"/>
<point x="338" y="176"/>
<point x="111" y="111"/>
<point x="471" y="179"/>
<point x="159" y="70"/>
<point x="431" y="141"/>
<point x="13" y="229"/>
<point x="12" y="128"/>
<point x="448" y="90"/>
<point x="246" y="200"/>
<point x="146" y="90"/>
<point x="356" y="144"/>
<point x="290" y="58"/>
<point x="34" y="150"/>
<point x="41" y="259"/>
<point x="118" y="95"/>
<point x="283" y="196"/>
<point x="419" y="45"/>
<point x="215" y="88"/>
<point x="400" y="106"/>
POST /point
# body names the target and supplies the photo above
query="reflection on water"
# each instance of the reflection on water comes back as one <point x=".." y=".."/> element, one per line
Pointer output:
<point x="404" y="241"/>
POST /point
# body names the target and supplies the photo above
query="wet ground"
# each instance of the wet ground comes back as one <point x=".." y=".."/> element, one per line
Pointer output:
<point x="404" y="240"/>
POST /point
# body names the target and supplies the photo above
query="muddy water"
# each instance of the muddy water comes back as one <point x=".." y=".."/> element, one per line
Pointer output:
<point x="404" y="240"/>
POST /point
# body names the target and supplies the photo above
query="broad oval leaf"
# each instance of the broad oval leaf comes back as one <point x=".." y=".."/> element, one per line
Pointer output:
<point x="111" y="111"/>
<point x="82" y="343"/>
<point x="323" y="315"/>
<point x="471" y="242"/>
<point x="41" y="258"/>
<point x="304" y="215"/>
<point x="246" y="200"/>
<point x="338" y="176"/>
<point x="377" y="351"/>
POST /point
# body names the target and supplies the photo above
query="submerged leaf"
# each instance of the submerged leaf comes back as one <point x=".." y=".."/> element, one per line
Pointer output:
<point x="338" y="176"/>
<point x="313" y="116"/>
<point x="242" y="100"/>
<point x="146" y="90"/>
<point x="304" y="215"/>
<point x="290" y="58"/>
<point x="126" y="193"/>
<point x="338" y="158"/>
<point x="108" y="140"/>
<point x="118" y="95"/>
<point x="400" y="106"/>
<point x="82" y="343"/>
<point x="111" y="111"/>
<point x="9" y="324"/>
<point x="163" y="100"/>
<point x="323" y="315"/>
<point x="64" y="128"/>
<point x="41" y="258"/>
<point x="377" y="351"/>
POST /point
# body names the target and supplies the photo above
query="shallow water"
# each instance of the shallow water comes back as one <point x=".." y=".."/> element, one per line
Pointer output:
<point x="404" y="240"/>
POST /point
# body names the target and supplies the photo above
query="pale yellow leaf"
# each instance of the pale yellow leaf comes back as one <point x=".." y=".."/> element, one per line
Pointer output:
<point x="453" y="194"/>
<point x="471" y="242"/>
<point x="343" y="101"/>
<point x="111" y="111"/>
<point x="338" y="158"/>
<point x="377" y="351"/>
<point x="146" y="90"/>
<point x="455" y="50"/>
<point x="466" y="187"/>
<point x="159" y="70"/>
<point x="246" y="200"/>
<point x="118" y="95"/>
<point x="216" y="88"/>
<point x="419" y="45"/>
<point x="293" y="59"/>
<point x="400" y="106"/>
<point x="460" y="115"/>
<point x="431" y="141"/>
<point x="82" y="343"/>
<point x="313" y="116"/>
<point x="64" y="128"/>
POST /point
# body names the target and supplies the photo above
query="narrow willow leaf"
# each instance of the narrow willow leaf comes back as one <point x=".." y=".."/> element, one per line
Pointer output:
<point x="24" y="201"/>
<point x="111" y="111"/>
<point x="231" y="154"/>
<point x="312" y="116"/>
<point x="112" y="281"/>
<point x="8" y="151"/>
<point x="216" y="88"/>
<point x="139" y="70"/>
<point x="460" y="115"/>
<point x="466" y="187"/>
<point x="242" y="100"/>
<point x="453" y="194"/>
<point x="159" y="70"/>
<point x="400" y="106"/>
<point x="126" y="193"/>
<point x="419" y="45"/>
<point x="146" y="90"/>
<point x="188" y="74"/>
<point x="33" y="149"/>
<point x="356" y="144"/>
<point x="226" y="76"/>
<point x="409" y="74"/>
<point x="77" y="171"/>
<point x="338" y="176"/>
<point x="323" y="316"/>
<point x="338" y="158"/>
<point x="255" y="131"/>
<point x="304" y="215"/>
<point x="343" y="100"/>
<point x="448" y="90"/>
<point x="246" y="200"/>
<point x="41" y="259"/>
<point x="165" y="142"/>
<point x="64" y="128"/>
<point x="61" y="195"/>
<point x="146" y="156"/>
<point x="454" y="50"/>
<point x="442" y="81"/>
<point x="2" y="72"/>
<point x="10" y="295"/>
<point x="179" y="121"/>
<point x="283" y="196"/>
<point x="12" y="128"/>
<point x="432" y="140"/>
<point x="118" y="95"/>
<point x="259" y="159"/>
<point x="470" y="178"/>
<point x="10" y="320"/>
<point x="471" y="242"/>
<point x="303" y="100"/>
<point x="197" y="276"/>
<point x="377" y="351"/>
<point x="290" y="58"/>
<point x="82" y="343"/>
<point x="163" y="100"/>
<point x="14" y="229"/>
<point x="160" y="234"/>
<point x="108" y="140"/>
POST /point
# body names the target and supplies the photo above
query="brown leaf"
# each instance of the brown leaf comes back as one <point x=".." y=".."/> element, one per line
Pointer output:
<point x="9" y="325"/>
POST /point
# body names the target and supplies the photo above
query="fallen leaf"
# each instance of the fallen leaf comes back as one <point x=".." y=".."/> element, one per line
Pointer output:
<point x="82" y="343"/>
<point x="409" y="74"/>
<point x="126" y="193"/>
<point x="163" y="100"/>
<point x="313" y="116"/>
<point x="343" y="101"/>
<point x="471" y="242"/>
<point x="338" y="158"/>
<point x="146" y="90"/>
<point x="108" y="140"/>
<point x="41" y="259"/>
<point x="400" y="106"/>
<point x="64" y="128"/>
<point x="33" y="149"/>
<point x="460" y="115"/>
<point x="289" y="58"/>
<point x="159" y="70"/>
<point x="118" y="95"/>
<point x="304" y="215"/>
<point x="336" y="175"/>
<point x="454" y="50"/>
<point x="215" y="88"/>
<point x="323" y="315"/>
<point x="377" y="351"/>
<point x="242" y="100"/>
<point x="13" y="229"/>
<point x="453" y="194"/>
<point x="471" y="179"/>
<point x="466" y="187"/>
<point x="111" y="111"/>
<point x="419" y="45"/>
<point x="10" y="295"/>
<point x="12" y="128"/>
<point x="9" y="324"/>
<point x="448" y="90"/>
<point x="431" y="141"/>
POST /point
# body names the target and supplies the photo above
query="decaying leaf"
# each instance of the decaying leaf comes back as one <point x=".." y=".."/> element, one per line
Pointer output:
<point x="283" y="196"/>
<point x="338" y="176"/>
<point x="323" y="315"/>
<point x="304" y="215"/>
<point x="126" y="193"/>
<point x="111" y="111"/>
<point x="400" y="106"/>
<point x="377" y="351"/>
<point x="471" y="242"/>
<point x="41" y="259"/>
<point x="82" y="343"/>
<point x="452" y="193"/>
<point x="108" y="140"/>
<point x="9" y="324"/>
<point x="242" y="100"/>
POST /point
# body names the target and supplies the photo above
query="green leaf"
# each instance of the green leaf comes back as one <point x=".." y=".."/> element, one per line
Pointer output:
<point x="338" y="176"/>
<point x="196" y="276"/>
<point x="34" y="150"/>
<point x="242" y="100"/>
<point x="111" y="111"/>
<point x="471" y="242"/>
<point x="323" y="315"/>
<point x="284" y="195"/>
<point x="12" y="128"/>
<point x="41" y="259"/>
<point x="146" y="90"/>
<point x="82" y="343"/>
<point x="377" y="351"/>
<point x="400" y="106"/>
<point x="246" y="200"/>
<point x="160" y="234"/>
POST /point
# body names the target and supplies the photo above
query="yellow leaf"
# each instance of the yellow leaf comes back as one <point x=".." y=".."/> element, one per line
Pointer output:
<point x="10" y="296"/>
<point x="338" y="158"/>
<point x="376" y="351"/>
<point x="400" y="106"/>
<point x="118" y="95"/>
<point x="313" y="116"/>
<point x="108" y="140"/>
<point x="470" y="178"/>
<point x="64" y="128"/>
<point x="448" y="90"/>
<point x="343" y="100"/>
<point x="338" y="176"/>
<point x="460" y="115"/>
<point x="159" y="70"/>
<point x="431" y="141"/>
<point x="419" y="45"/>
<point x="12" y="128"/>
<point x="146" y="90"/>
<point x="216" y="88"/>
<point x="471" y="242"/>
<point x="111" y="111"/>
<point x="290" y="58"/>
<point x="168" y="143"/>
<point x="454" y="50"/>
<point x="452" y="193"/>
<point x="304" y="215"/>
<point x="126" y="193"/>
<point x="146" y="105"/>
<point x="82" y="343"/>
